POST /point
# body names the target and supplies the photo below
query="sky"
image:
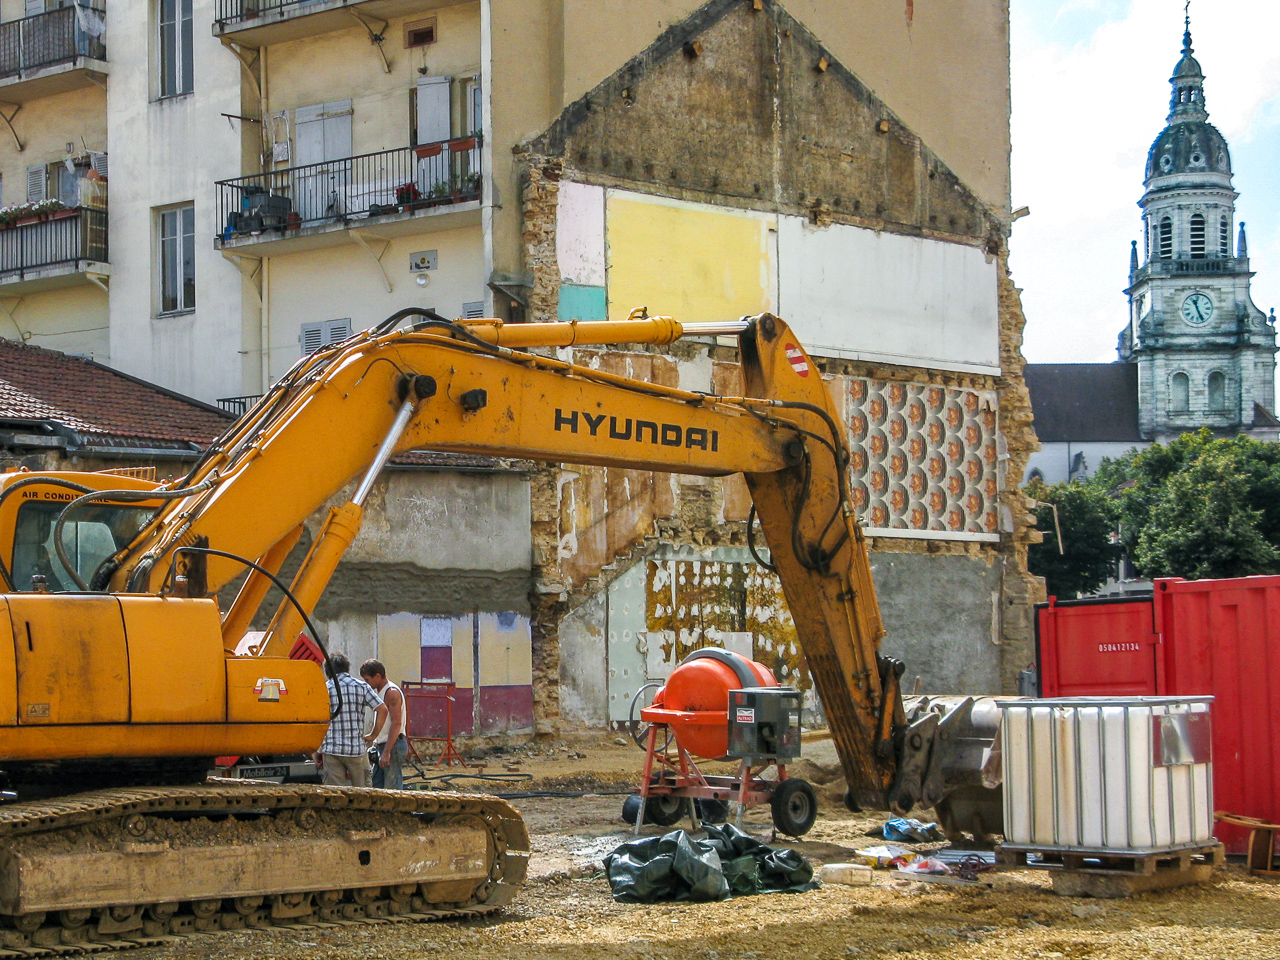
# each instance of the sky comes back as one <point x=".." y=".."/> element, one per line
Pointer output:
<point x="1090" y="82"/>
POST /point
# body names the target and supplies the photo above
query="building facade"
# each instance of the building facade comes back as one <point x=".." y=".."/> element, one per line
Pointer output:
<point x="286" y="171"/>
<point x="1199" y="351"/>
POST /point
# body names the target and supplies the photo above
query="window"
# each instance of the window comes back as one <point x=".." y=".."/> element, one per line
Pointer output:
<point x="178" y="260"/>
<point x="1180" y="393"/>
<point x="322" y="334"/>
<point x="175" y="47"/>
<point x="1166" y="239"/>
<point x="1217" y="391"/>
<point x="1224" y="236"/>
<point x="1197" y="237"/>
<point x="420" y="33"/>
<point x="95" y="534"/>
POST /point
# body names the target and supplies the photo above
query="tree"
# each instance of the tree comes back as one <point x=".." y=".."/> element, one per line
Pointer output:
<point x="1086" y="517"/>
<point x="1199" y="507"/>
<point x="1205" y="524"/>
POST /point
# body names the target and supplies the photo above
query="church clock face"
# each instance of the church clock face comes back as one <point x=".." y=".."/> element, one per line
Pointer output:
<point x="1197" y="309"/>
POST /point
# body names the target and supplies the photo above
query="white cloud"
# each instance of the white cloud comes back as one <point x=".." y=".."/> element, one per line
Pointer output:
<point x="1083" y="118"/>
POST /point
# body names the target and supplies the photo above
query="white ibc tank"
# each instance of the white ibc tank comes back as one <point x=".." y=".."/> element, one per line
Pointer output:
<point x="1122" y="774"/>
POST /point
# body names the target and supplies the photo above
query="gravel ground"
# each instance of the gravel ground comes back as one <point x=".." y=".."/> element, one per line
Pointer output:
<point x="566" y="911"/>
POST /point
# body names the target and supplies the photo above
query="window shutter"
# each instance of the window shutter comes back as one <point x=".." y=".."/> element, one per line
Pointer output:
<point x="35" y="7"/>
<point x="337" y="130"/>
<point x="473" y="310"/>
<point x="308" y="135"/>
<point x="312" y="337"/>
<point x="433" y="110"/>
<point x="37" y="182"/>
<point x="99" y="161"/>
<point x="336" y="331"/>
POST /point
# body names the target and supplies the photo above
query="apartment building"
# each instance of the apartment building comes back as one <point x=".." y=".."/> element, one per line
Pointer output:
<point x="284" y="170"/>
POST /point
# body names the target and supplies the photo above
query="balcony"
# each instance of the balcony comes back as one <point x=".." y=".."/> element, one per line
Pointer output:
<point x="394" y="193"/>
<point x="59" y="249"/>
<point x="51" y="53"/>
<point x="1191" y="268"/>
<point x="239" y="406"/>
<point x="260" y="23"/>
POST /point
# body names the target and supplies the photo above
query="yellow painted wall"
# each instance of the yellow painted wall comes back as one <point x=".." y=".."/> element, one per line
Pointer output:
<point x="463" y="654"/>
<point x="71" y="319"/>
<point x="399" y="646"/>
<point x="344" y="65"/>
<point x="685" y="260"/>
<point x="506" y="656"/>
<point x="343" y="281"/>
<point x="45" y="126"/>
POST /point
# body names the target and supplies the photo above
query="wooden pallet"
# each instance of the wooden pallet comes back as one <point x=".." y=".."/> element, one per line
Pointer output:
<point x="1112" y="862"/>
<point x="1108" y="874"/>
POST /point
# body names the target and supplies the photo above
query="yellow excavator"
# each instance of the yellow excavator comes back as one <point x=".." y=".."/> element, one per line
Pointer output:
<point x="124" y="678"/>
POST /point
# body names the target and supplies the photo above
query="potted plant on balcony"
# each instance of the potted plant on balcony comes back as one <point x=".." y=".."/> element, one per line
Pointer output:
<point x="408" y="195"/>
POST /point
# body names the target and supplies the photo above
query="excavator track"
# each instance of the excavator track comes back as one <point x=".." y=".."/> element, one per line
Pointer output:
<point x="117" y="869"/>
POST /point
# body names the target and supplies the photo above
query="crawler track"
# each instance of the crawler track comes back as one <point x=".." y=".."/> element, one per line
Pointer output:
<point x="115" y="869"/>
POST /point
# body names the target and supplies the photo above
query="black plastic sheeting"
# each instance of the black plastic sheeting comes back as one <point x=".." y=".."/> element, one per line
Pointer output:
<point x="729" y="863"/>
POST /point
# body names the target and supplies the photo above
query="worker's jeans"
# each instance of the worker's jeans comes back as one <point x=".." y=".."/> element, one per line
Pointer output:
<point x="391" y="777"/>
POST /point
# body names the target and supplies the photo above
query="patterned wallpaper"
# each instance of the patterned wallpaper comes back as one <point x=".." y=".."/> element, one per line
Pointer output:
<point x="924" y="459"/>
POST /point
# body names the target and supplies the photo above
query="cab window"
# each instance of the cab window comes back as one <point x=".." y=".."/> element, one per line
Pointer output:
<point x="89" y="537"/>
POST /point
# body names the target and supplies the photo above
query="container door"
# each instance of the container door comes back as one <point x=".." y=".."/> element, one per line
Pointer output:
<point x="1091" y="649"/>
<point x="73" y="664"/>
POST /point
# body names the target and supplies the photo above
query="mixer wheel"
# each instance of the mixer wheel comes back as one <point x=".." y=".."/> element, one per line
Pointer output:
<point x="794" y="806"/>
<point x="664" y="810"/>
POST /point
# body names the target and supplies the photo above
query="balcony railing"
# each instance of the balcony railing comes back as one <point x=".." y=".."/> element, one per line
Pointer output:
<point x="356" y="188"/>
<point x="63" y="237"/>
<point x="238" y="405"/>
<point x="1198" y="267"/>
<point x="47" y="39"/>
<point x="232" y="12"/>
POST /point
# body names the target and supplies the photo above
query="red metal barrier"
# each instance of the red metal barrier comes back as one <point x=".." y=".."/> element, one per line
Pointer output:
<point x="1194" y="637"/>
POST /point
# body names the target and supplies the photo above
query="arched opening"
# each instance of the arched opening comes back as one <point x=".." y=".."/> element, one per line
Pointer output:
<point x="1197" y="237"/>
<point x="1166" y="239"/>
<point x="1217" y="391"/>
<point x="1224" y="236"/>
<point x="1180" y="393"/>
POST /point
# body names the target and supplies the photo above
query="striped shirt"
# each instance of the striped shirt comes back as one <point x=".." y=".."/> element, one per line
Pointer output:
<point x="346" y="731"/>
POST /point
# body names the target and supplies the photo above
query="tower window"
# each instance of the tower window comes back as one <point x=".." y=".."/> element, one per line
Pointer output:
<point x="1197" y="237"/>
<point x="1180" y="393"/>
<point x="1166" y="239"/>
<point x="1224" y="236"/>
<point x="1217" y="391"/>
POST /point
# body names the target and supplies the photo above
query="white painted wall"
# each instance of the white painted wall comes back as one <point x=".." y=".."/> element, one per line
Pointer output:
<point x="1054" y="460"/>
<point x="856" y="293"/>
<point x="170" y="152"/>
<point x="580" y="239"/>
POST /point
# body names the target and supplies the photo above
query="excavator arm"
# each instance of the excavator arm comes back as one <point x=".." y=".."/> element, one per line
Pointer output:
<point x="481" y="388"/>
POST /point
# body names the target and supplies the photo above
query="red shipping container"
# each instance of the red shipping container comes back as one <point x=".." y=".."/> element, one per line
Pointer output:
<point x="1192" y="638"/>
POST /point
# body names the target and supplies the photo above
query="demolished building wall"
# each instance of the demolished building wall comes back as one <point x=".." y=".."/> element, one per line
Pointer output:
<point x="789" y="187"/>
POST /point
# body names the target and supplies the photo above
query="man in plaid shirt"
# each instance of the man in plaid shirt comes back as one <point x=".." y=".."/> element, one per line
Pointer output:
<point x="343" y="752"/>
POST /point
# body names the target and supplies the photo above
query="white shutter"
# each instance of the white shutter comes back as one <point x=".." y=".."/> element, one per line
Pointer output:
<point x="99" y="161"/>
<point x="337" y="130"/>
<point x="37" y="182"/>
<point x="433" y="110"/>
<point x="473" y="310"/>
<point x="335" y="331"/>
<point x="308" y="135"/>
<point x="312" y="337"/>
<point x="35" y="7"/>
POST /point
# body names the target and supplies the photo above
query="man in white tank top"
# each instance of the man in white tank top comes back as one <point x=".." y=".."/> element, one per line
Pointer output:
<point x="391" y="742"/>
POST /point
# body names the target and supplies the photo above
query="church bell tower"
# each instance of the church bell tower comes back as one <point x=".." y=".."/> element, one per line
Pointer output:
<point x="1205" y="353"/>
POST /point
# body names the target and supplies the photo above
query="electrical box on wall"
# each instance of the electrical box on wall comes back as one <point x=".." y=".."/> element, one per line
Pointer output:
<point x="422" y="260"/>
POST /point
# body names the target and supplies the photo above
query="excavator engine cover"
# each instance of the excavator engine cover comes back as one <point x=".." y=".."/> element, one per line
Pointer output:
<point x="695" y="701"/>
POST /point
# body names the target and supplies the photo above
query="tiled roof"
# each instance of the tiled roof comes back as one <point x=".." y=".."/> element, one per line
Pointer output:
<point x="93" y="399"/>
<point x="1084" y="402"/>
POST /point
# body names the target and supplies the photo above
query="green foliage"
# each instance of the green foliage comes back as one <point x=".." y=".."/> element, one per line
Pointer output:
<point x="1086" y="516"/>
<point x="1200" y="507"/>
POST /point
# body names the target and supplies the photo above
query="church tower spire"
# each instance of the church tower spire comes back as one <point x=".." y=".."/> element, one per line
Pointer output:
<point x="1187" y="99"/>
<point x="1205" y="354"/>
